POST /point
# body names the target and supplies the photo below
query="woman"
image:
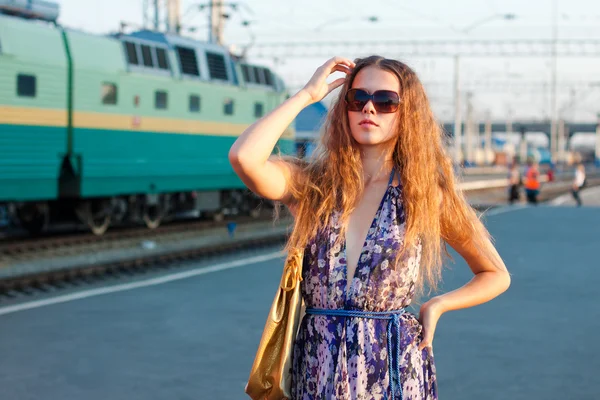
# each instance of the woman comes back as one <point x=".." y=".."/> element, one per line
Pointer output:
<point x="374" y="204"/>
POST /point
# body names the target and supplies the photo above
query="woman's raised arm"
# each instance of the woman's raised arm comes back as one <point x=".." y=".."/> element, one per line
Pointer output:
<point x="250" y="155"/>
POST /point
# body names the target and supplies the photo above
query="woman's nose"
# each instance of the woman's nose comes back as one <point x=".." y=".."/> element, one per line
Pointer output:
<point x="368" y="108"/>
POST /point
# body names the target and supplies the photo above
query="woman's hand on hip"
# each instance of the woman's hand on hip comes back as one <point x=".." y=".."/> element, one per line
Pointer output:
<point x="429" y="315"/>
<point x="317" y="87"/>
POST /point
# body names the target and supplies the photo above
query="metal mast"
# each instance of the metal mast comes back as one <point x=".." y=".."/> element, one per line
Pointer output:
<point x="553" y="95"/>
<point x="173" y="16"/>
<point x="216" y="20"/>
<point x="162" y="14"/>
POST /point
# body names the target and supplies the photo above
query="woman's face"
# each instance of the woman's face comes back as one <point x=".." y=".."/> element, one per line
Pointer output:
<point x="368" y="126"/>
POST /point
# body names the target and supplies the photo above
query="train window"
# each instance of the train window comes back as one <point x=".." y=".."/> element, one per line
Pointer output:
<point x="216" y="66"/>
<point x="26" y="85"/>
<point x="228" y="107"/>
<point x="160" y="100"/>
<point x="188" y="61"/>
<point x="132" y="57"/>
<point x="161" y="56"/>
<point x="258" y="110"/>
<point x="194" y="103"/>
<point x="147" y="56"/>
<point x="109" y="93"/>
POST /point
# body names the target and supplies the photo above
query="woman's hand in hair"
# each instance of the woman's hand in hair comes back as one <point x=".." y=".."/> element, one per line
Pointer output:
<point x="317" y="88"/>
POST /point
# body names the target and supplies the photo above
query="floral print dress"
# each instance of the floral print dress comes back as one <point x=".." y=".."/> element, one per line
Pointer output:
<point x="341" y="357"/>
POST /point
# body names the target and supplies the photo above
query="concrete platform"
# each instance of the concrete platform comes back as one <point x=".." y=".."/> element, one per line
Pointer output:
<point x="193" y="335"/>
<point x="589" y="198"/>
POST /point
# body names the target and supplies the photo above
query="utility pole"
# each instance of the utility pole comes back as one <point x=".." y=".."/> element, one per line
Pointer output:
<point x="488" y="136"/>
<point x="566" y="142"/>
<point x="457" y="116"/>
<point x="523" y="146"/>
<point x="598" y="140"/>
<point x="553" y="94"/>
<point x="479" y="151"/>
<point x="151" y="14"/>
<point x="561" y="140"/>
<point x="216" y="21"/>
<point x="156" y="15"/>
<point x="509" y="126"/>
<point x="469" y="130"/>
<point x="173" y="16"/>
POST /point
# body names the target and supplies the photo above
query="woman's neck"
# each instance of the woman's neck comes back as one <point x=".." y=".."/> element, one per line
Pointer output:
<point x="376" y="164"/>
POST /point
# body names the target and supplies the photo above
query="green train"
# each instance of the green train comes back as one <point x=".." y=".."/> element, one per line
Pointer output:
<point x="121" y="127"/>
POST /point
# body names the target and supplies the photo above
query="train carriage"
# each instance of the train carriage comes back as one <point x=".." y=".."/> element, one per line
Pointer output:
<point x="121" y="127"/>
<point x="33" y="115"/>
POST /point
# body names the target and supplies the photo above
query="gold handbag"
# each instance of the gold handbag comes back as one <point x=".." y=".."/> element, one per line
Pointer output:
<point x="270" y="376"/>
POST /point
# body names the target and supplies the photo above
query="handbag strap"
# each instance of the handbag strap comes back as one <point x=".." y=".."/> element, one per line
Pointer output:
<point x="292" y="271"/>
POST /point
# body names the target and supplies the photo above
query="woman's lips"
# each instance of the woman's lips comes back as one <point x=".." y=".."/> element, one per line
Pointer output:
<point x="367" y="122"/>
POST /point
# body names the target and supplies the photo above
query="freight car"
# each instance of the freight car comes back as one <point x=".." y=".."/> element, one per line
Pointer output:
<point x="122" y="127"/>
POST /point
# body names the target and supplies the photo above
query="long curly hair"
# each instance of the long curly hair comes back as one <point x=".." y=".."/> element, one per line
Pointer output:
<point x="435" y="209"/>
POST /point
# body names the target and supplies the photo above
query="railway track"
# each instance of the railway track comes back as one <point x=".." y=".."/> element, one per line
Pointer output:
<point x="170" y="246"/>
<point x="44" y="282"/>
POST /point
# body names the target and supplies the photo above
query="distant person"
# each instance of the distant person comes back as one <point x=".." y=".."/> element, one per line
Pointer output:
<point x="514" y="182"/>
<point x="578" y="182"/>
<point x="551" y="173"/>
<point x="381" y="162"/>
<point x="532" y="181"/>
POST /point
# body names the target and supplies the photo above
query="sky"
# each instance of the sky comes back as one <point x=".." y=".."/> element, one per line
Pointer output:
<point x="503" y="88"/>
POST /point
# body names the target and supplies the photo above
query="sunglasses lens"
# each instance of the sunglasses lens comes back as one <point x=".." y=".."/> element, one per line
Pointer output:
<point x="356" y="99"/>
<point x="386" y="101"/>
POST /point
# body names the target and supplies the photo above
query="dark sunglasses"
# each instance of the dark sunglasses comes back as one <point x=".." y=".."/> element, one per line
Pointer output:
<point x="384" y="101"/>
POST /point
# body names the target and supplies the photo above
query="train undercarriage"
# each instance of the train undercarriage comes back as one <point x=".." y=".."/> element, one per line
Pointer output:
<point x="151" y="210"/>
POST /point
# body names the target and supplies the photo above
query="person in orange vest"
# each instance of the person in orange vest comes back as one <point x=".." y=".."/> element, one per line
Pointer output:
<point x="532" y="181"/>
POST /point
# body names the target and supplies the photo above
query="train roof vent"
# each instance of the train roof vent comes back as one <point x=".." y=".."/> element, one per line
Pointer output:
<point x="269" y="77"/>
<point x="259" y="75"/>
<point x="31" y="9"/>
<point x="216" y="66"/>
<point x="246" y="72"/>
<point x="187" y="60"/>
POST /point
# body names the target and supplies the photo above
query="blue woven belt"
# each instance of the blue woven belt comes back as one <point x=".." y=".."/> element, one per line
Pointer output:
<point x="393" y="325"/>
